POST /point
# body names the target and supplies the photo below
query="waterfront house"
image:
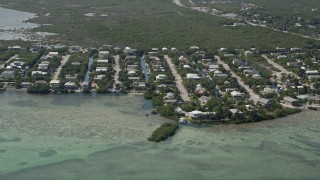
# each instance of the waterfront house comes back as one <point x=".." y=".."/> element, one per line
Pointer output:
<point x="26" y="84"/>
<point x="41" y="83"/>
<point x="195" y="114"/>
<point x="55" y="84"/>
<point x="6" y="75"/>
<point x="235" y="111"/>
<point x="70" y="85"/>
<point x="290" y="101"/>
<point x="85" y="85"/>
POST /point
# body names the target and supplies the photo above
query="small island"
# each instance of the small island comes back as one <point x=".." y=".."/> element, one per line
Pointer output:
<point x="163" y="132"/>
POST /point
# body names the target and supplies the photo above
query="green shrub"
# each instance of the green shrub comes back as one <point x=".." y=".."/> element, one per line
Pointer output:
<point x="164" y="132"/>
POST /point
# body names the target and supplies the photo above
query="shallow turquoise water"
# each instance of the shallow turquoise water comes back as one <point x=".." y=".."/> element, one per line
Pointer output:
<point x="104" y="137"/>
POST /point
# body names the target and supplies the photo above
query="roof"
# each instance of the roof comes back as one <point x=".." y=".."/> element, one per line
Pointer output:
<point x="289" y="99"/>
<point x="264" y="101"/>
<point x="70" y="84"/>
<point x="54" y="81"/>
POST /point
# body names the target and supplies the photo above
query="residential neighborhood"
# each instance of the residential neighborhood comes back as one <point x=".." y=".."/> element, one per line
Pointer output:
<point x="195" y="85"/>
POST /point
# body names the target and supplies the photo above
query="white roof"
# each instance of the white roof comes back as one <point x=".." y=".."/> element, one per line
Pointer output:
<point x="54" y="81"/>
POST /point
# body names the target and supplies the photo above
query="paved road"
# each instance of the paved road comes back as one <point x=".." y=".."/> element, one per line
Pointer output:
<point x="183" y="92"/>
<point x="117" y="69"/>
<point x="283" y="70"/>
<point x="63" y="62"/>
<point x="13" y="57"/>
<point x="253" y="96"/>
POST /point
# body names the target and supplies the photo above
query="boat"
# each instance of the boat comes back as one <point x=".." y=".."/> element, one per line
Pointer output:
<point x="182" y="121"/>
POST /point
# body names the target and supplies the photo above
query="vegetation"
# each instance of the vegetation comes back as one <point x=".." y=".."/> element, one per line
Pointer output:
<point x="40" y="89"/>
<point x="163" y="24"/>
<point x="164" y="132"/>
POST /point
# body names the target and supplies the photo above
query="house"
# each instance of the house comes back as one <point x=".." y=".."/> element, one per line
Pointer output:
<point x="99" y="77"/>
<point x="268" y="90"/>
<point x="220" y="75"/>
<point x="141" y="85"/>
<point x="293" y="64"/>
<point x="213" y="67"/>
<point x="43" y="66"/>
<point x="15" y="48"/>
<point x="52" y="54"/>
<point x="7" y="75"/>
<point x="17" y="64"/>
<point x="204" y="100"/>
<point x="85" y="85"/>
<point x="282" y="57"/>
<point x="174" y="49"/>
<point x="280" y="49"/>
<point x="38" y="73"/>
<point x="160" y="77"/>
<point x="230" y="89"/>
<point x="155" y="58"/>
<point x="295" y="49"/>
<point x="131" y="73"/>
<point x="134" y="79"/>
<point x="194" y="48"/>
<point x="71" y="78"/>
<point x="26" y="84"/>
<point x="256" y="76"/>
<point x="101" y="69"/>
<point x="55" y="84"/>
<point x="312" y="72"/>
<point x="195" y="114"/>
<point x="41" y="83"/>
<point x="76" y="64"/>
<point x="102" y="61"/>
<point x="187" y="66"/>
<point x="103" y="54"/>
<point x="290" y="101"/>
<point x="235" y="111"/>
<point x="117" y="49"/>
<point x="206" y="61"/>
<point x="237" y="62"/>
<point x="264" y="102"/>
<point x="70" y="85"/>
<point x="193" y="76"/>
<point x="169" y="96"/>
<point x="236" y="95"/>
<point x="312" y="77"/>
<point x="130" y="58"/>
<point x="248" y="53"/>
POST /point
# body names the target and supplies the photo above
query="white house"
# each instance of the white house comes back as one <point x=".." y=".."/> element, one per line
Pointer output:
<point x="103" y="54"/>
<point x="55" y="83"/>
<point x="160" y="77"/>
<point x="193" y="76"/>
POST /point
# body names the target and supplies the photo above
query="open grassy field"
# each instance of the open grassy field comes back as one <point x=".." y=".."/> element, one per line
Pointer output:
<point x="145" y="24"/>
